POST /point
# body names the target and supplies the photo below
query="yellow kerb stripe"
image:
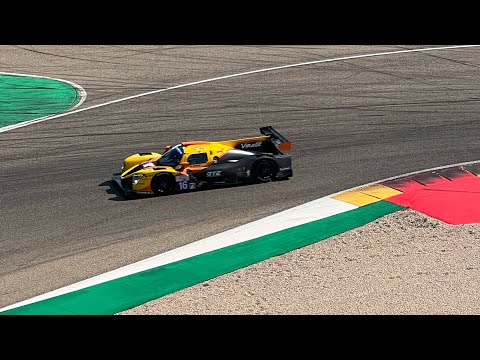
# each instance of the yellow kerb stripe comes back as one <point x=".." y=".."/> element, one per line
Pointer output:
<point x="366" y="195"/>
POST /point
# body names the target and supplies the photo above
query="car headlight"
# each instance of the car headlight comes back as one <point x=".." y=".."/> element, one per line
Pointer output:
<point x="136" y="178"/>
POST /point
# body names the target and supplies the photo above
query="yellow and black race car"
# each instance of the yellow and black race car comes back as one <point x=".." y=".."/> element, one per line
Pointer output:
<point x="195" y="164"/>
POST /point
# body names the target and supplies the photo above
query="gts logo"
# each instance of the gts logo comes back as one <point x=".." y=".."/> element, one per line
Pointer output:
<point x="251" y="145"/>
<point x="214" y="173"/>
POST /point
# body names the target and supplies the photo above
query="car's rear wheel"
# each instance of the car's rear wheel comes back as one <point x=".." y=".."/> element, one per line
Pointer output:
<point x="163" y="184"/>
<point x="264" y="170"/>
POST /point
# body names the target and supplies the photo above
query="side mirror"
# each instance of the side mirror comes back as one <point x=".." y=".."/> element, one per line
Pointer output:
<point x="185" y="164"/>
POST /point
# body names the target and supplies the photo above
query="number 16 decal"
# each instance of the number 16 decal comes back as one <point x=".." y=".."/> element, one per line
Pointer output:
<point x="183" y="185"/>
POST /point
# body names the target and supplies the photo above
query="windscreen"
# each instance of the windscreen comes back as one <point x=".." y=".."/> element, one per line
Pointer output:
<point x="171" y="157"/>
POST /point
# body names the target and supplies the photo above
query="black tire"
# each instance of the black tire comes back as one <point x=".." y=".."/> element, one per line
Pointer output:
<point x="264" y="170"/>
<point x="163" y="184"/>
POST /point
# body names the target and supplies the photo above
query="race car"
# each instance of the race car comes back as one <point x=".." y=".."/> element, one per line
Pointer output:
<point x="193" y="165"/>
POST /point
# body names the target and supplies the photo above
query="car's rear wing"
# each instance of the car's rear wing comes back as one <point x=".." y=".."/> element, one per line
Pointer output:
<point x="281" y="143"/>
<point x="271" y="141"/>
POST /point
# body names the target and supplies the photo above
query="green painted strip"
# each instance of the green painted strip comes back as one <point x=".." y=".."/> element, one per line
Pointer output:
<point x="24" y="98"/>
<point x="124" y="293"/>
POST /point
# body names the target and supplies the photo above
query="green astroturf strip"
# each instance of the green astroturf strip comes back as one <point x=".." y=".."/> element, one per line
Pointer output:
<point x="124" y="293"/>
<point x="25" y="98"/>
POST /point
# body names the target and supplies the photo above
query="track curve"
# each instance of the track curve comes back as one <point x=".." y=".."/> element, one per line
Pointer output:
<point x="351" y="122"/>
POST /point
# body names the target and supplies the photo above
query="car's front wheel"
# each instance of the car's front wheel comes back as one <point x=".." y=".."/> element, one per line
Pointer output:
<point x="163" y="184"/>
<point x="264" y="170"/>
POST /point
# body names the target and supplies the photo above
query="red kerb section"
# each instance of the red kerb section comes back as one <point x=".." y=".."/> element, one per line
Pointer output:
<point x="451" y="195"/>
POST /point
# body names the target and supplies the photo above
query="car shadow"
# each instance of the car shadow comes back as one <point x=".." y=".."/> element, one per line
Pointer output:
<point x="114" y="189"/>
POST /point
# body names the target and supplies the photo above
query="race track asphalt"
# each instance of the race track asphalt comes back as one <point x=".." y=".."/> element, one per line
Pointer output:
<point x="351" y="122"/>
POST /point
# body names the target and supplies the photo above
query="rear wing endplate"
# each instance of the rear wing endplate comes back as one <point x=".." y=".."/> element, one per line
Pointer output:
<point x="281" y="143"/>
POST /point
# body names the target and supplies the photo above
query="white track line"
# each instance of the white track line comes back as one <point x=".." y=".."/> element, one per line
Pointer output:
<point x="236" y="75"/>
<point x="302" y="214"/>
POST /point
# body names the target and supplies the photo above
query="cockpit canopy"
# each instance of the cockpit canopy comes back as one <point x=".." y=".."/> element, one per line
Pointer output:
<point x="171" y="157"/>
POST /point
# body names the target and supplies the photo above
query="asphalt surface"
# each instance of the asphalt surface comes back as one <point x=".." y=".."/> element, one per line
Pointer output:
<point x="351" y="122"/>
